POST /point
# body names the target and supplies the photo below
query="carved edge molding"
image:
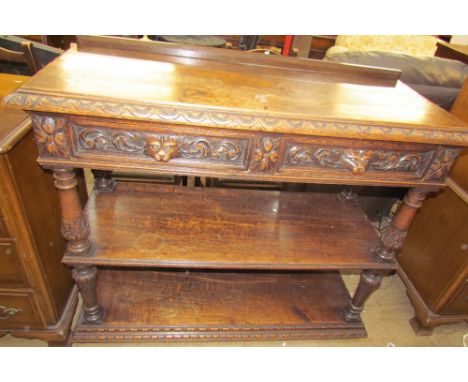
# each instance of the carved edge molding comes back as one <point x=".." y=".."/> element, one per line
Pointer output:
<point x="230" y="119"/>
<point x="6" y="313"/>
<point x="352" y="330"/>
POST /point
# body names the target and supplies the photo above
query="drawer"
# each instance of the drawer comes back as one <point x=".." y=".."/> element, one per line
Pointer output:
<point x="11" y="274"/>
<point x="188" y="150"/>
<point x="17" y="311"/>
<point x="160" y="146"/>
<point x="459" y="305"/>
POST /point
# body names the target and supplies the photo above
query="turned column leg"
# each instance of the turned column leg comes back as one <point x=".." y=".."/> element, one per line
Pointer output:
<point x="391" y="239"/>
<point x="75" y="230"/>
<point x="103" y="181"/>
<point x="86" y="278"/>
<point x="369" y="282"/>
<point x="348" y="195"/>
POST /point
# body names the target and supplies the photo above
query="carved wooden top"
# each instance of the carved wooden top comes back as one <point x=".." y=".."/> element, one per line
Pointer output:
<point x="242" y="96"/>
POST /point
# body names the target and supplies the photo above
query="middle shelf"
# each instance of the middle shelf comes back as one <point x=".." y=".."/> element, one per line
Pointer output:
<point x="147" y="225"/>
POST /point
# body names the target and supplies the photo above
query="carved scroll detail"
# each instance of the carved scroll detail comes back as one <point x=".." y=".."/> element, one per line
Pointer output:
<point x="161" y="147"/>
<point x="50" y="136"/>
<point x="229" y="119"/>
<point x="442" y="164"/>
<point x="358" y="161"/>
<point x="266" y="154"/>
<point x="6" y="313"/>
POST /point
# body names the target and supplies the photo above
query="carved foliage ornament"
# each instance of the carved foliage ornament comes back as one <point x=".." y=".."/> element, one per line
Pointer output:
<point x="442" y="164"/>
<point x="6" y="313"/>
<point x="75" y="230"/>
<point x="161" y="147"/>
<point x="228" y="119"/>
<point x="266" y="154"/>
<point x="50" y="136"/>
<point x="358" y="161"/>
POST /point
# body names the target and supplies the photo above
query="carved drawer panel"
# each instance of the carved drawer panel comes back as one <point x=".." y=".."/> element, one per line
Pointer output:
<point x="223" y="153"/>
<point x="160" y="148"/>
<point x="11" y="274"/>
<point x="17" y="311"/>
<point x="370" y="160"/>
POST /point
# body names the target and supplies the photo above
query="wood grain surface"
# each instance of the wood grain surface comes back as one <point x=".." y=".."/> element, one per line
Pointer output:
<point x="154" y="305"/>
<point x="250" y="96"/>
<point x="171" y="226"/>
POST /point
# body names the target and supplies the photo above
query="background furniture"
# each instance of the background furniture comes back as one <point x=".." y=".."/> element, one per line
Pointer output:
<point x="452" y="51"/>
<point x="158" y="262"/>
<point x="37" y="296"/>
<point x="434" y="261"/>
<point x="419" y="46"/>
<point x="437" y="79"/>
<point x="40" y="54"/>
<point x="25" y="56"/>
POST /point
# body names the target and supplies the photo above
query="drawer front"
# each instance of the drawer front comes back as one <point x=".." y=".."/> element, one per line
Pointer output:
<point x="177" y="149"/>
<point x="11" y="275"/>
<point x="17" y="311"/>
<point x="163" y="148"/>
<point x="459" y="306"/>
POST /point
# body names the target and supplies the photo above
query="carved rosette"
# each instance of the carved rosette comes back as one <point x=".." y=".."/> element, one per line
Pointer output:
<point x="266" y="154"/>
<point x="161" y="147"/>
<point x="358" y="161"/>
<point x="442" y="164"/>
<point x="6" y="313"/>
<point x="50" y="136"/>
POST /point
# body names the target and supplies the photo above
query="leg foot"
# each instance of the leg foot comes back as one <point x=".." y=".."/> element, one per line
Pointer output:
<point x="369" y="282"/>
<point x="86" y="278"/>
<point x="103" y="181"/>
<point x="419" y="329"/>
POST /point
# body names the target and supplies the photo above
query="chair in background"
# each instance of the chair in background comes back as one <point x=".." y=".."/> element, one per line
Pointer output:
<point x="25" y="56"/>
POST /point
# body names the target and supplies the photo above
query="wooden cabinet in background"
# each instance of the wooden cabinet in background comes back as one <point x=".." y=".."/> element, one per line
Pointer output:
<point x="434" y="260"/>
<point x="37" y="295"/>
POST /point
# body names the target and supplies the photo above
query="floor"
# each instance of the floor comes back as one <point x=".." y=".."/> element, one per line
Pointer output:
<point x="386" y="318"/>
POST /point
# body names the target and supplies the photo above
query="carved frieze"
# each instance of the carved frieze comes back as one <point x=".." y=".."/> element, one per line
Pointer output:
<point x="265" y="154"/>
<point x="442" y="164"/>
<point x="161" y="147"/>
<point x="6" y="313"/>
<point x="50" y="136"/>
<point x="358" y="161"/>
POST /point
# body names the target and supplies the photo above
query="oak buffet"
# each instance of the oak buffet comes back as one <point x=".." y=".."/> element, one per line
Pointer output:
<point x="158" y="262"/>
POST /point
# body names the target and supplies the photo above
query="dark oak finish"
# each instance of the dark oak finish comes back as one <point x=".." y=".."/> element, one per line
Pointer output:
<point x="172" y="226"/>
<point x="37" y="296"/>
<point x="218" y="306"/>
<point x="123" y="105"/>
<point x="434" y="261"/>
<point x="452" y="51"/>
